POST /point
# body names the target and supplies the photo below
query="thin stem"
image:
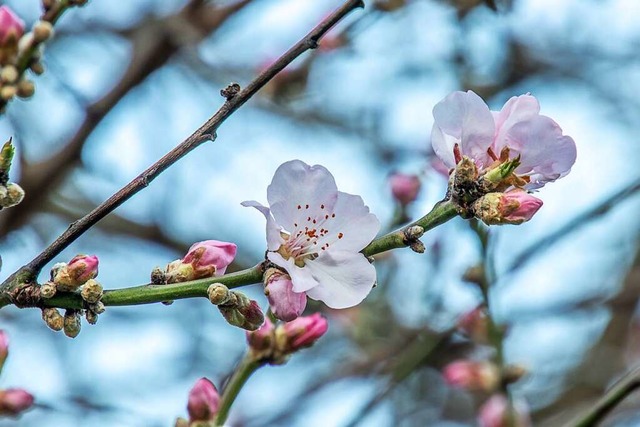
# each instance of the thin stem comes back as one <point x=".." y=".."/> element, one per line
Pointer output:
<point x="596" y="413"/>
<point x="207" y="132"/>
<point x="243" y="371"/>
<point x="441" y="213"/>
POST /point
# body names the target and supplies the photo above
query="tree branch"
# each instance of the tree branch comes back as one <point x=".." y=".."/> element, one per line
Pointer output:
<point x="207" y="132"/>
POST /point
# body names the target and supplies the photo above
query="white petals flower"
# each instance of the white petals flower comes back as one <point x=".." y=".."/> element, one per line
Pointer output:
<point x="316" y="233"/>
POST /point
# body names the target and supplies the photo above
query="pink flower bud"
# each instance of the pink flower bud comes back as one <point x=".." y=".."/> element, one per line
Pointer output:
<point x="475" y="324"/>
<point x="83" y="267"/>
<point x="11" y="26"/>
<point x="4" y="347"/>
<point x="204" y="401"/>
<point x="204" y="256"/>
<point x="405" y="188"/>
<point x="303" y="332"/>
<point x="284" y="302"/>
<point x="203" y="259"/>
<point x="472" y="375"/>
<point x="261" y="339"/>
<point x="496" y="412"/>
<point x="13" y="401"/>
<point x="513" y="207"/>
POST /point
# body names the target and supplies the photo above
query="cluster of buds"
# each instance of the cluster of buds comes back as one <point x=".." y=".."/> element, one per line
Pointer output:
<point x="13" y="401"/>
<point x="491" y="196"/>
<point x="237" y="309"/>
<point x="203" y="405"/>
<point x="78" y="274"/>
<point x="274" y="344"/>
<point x="11" y="193"/>
<point x="208" y="258"/>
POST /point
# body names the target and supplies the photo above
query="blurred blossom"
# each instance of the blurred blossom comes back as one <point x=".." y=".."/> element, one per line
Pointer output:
<point x="472" y="375"/>
<point x="475" y="324"/>
<point x="464" y="122"/>
<point x="4" y="347"/>
<point x="284" y="302"/>
<point x="496" y="412"/>
<point x="513" y="207"/>
<point x="11" y="26"/>
<point x="204" y="401"/>
<point x="208" y="258"/>
<point x="316" y="233"/>
<point x="13" y="401"/>
<point x="405" y="188"/>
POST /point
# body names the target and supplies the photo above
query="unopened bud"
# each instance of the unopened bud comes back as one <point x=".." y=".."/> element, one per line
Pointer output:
<point x="91" y="291"/>
<point x="242" y="312"/>
<point x="204" y="401"/>
<point x="405" y="188"/>
<point x="498" y="412"/>
<point x="42" y="31"/>
<point x="218" y="294"/>
<point x="48" y="290"/>
<point x="513" y="207"/>
<point x="300" y="333"/>
<point x="53" y="318"/>
<point x="261" y="340"/>
<point x="11" y="27"/>
<point x="37" y="67"/>
<point x="26" y="88"/>
<point x="8" y="92"/>
<point x="472" y="375"/>
<point x="97" y="308"/>
<point x="181" y="422"/>
<point x="414" y="232"/>
<point x="203" y="259"/>
<point x="11" y="195"/>
<point x="80" y="269"/>
<point x="13" y="401"/>
<point x="475" y="324"/>
<point x="9" y="74"/>
<point x="6" y="157"/>
<point x="157" y="276"/>
<point x="72" y="323"/>
<point x="417" y="246"/>
<point x="284" y="302"/>
<point x="91" y="317"/>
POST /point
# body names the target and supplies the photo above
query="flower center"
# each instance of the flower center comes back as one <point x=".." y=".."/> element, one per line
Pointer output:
<point x="311" y="236"/>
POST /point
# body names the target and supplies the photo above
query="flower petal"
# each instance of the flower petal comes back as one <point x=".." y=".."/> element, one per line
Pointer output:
<point x="462" y="118"/>
<point x="274" y="239"/>
<point x="353" y="226"/>
<point x="301" y="277"/>
<point x="517" y="109"/>
<point x="298" y="191"/>
<point x="345" y="278"/>
<point x="546" y="154"/>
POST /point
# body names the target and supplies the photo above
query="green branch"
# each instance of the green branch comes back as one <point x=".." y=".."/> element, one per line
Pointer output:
<point x="240" y="376"/>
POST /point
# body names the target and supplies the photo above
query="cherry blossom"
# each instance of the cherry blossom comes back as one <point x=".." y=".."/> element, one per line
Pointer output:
<point x="464" y="126"/>
<point x="316" y="233"/>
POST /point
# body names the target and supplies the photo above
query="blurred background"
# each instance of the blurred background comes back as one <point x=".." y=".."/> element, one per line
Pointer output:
<point x="127" y="81"/>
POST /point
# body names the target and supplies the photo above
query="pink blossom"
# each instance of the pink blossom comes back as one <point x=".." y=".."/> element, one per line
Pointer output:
<point x="204" y="401"/>
<point x="4" y="347"/>
<point x="496" y="413"/>
<point x="316" y="233"/>
<point x="462" y="119"/>
<point x="284" y="302"/>
<point x="513" y="207"/>
<point x="304" y="331"/>
<point x="472" y="375"/>
<point x="11" y="26"/>
<point x="13" y="401"/>
<point x="405" y="188"/>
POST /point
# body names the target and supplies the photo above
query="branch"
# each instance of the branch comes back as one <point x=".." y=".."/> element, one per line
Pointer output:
<point x="628" y="384"/>
<point x="207" y="132"/>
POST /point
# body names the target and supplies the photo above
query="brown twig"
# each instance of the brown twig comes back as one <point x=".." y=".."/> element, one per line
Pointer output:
<point x="207" y="132"/>
<point x="154" y="43"/>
